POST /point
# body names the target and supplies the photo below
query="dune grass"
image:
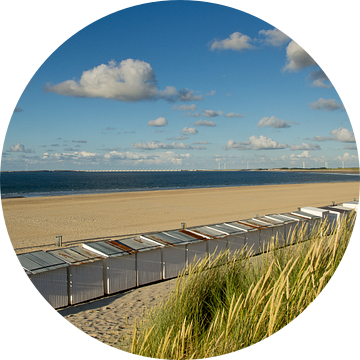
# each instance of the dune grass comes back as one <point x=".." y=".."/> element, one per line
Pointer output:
<point x="240" y="299"/>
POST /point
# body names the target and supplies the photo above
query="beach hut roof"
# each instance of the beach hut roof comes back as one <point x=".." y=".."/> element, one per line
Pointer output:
<point x="209" y="232"/>
<point x="76" y="255"/>
<point x="139" y="244"/>
<point x="280" y="218"/>
<point x="163" y="238"/>
<point x="108" y="248"/>
<point x="40" y="261"/>
<point x="227" y="228"/>
<point x="186" y="236"/>
<point x="306" y="215"/>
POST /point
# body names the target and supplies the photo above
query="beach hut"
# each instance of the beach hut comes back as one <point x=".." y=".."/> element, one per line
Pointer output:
<point x="173" y="253"/>
<point x="291" y="225"/>
<point x="265" y="231"/>
<point x="352" y="205"/>
<point x="312" y="223"/>
<point x="252" y="235"/>
<point x="196" y="244"/>
<point x="236" y="237"/>
<point x="279" y="229"/>
<point x="322" y="213"/>
<point x="336" y="214"/>
<point x="49" y="275"/>
<point x="148" y="259"/>
<point x="119" y="264"/>
<point x="216" y="242"/>
<point x="85" y="273"/>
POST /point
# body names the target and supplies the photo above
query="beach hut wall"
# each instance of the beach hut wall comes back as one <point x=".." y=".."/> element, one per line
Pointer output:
<point x="217" y="239"/>
<point x="236" y="237"/>
<point x="85" y="273"/>
<point x="336" y="214"/>
<point x="49" y="276"/>
<point x="119" y="265"/>
<point x="312" y="222"/>
<point x="279" y="229"/>
<point x="265" y="231"/>
<point x="323" y="214"/>
<point x="173" y="254"/>
<point x="148" y="259"/>
<point x="252" y="235"/>
<point x="352" y="205"/>
<point x="196" y="245"/>
<point x="291" y="226"/>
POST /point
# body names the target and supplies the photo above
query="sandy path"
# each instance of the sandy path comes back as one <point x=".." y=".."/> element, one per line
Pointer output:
<point x="112" y="318"/>
<point x="33" y="223"/>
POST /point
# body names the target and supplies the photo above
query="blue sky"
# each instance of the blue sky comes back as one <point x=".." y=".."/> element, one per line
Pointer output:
<point x="185" y="85"/>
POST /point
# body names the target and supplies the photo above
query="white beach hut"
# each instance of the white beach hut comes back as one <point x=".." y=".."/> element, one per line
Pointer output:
<point x="312" y="223"/>
<point x="173" y="253"/>
<point x="236" y="237"/>
<point x="119" y="264"/>
<point x="336" y="214"/>
<point x="148" y="259"/>
<point x="279" y="229"/>
<point x="49" y="276"/>
<point x="291" y="225"/>
<point x="265" y="231"/>
<point x="217" y="239"/>
<point x="196" y="245"/>
<point x="85" y="273"/>
<point x="252" y="235"/>
<point x="322" y="213"/>
<point x="352" y="205"/>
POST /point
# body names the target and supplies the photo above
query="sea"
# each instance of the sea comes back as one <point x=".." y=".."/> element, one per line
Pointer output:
<point x="55" y="183"/>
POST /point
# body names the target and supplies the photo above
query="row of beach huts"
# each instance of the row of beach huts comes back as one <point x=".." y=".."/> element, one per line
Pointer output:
<point x="71" y="275"/>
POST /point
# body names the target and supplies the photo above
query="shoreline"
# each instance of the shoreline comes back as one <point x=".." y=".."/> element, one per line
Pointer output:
<point x="105" y="192"/>
<point x="33" y="223"/>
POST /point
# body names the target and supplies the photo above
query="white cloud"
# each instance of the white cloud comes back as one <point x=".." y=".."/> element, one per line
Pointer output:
<point x="255" y="143"/>
<point x="347" y="157"/>
<point x="153" y="145"/>
<point x="238" y="145"/>
<point x="274" y="37"/>
<point x="232" y="115"/>
<point x="305" y="146"/>
<point x="130" y="80"/>
<point x="160" y="158"/>
<point x="211" y="113"/>
<point x="189" y="131"/>
<point x="262" y="143"/>
<point x="74" y="156"/>
<point x="19" y="148"/>
<point x="320" y="79"/>
<point x="274" y="122"/>
<point x="351" y="147"/>
<point x="191" y="107"/>
<point x="297" y="58"/>
<point x="204" y="123"/>
<point x="160" y="121"/>
<point x="320" y="138"/>
<point x="236" y="41"/>
<point x="343" y="135"/>
<point x="196" y="114"/>
<point x="303" y="155"/>
<point x="326" y="104"/>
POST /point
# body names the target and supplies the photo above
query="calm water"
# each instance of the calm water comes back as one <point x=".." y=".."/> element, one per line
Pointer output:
<point x="31" y="184"/>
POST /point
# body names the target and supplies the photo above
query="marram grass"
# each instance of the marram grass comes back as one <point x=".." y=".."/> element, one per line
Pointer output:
<point x="240" y="299"/>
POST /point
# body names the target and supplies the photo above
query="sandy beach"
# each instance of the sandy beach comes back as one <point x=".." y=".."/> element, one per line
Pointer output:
<point x="33" y="223"/>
